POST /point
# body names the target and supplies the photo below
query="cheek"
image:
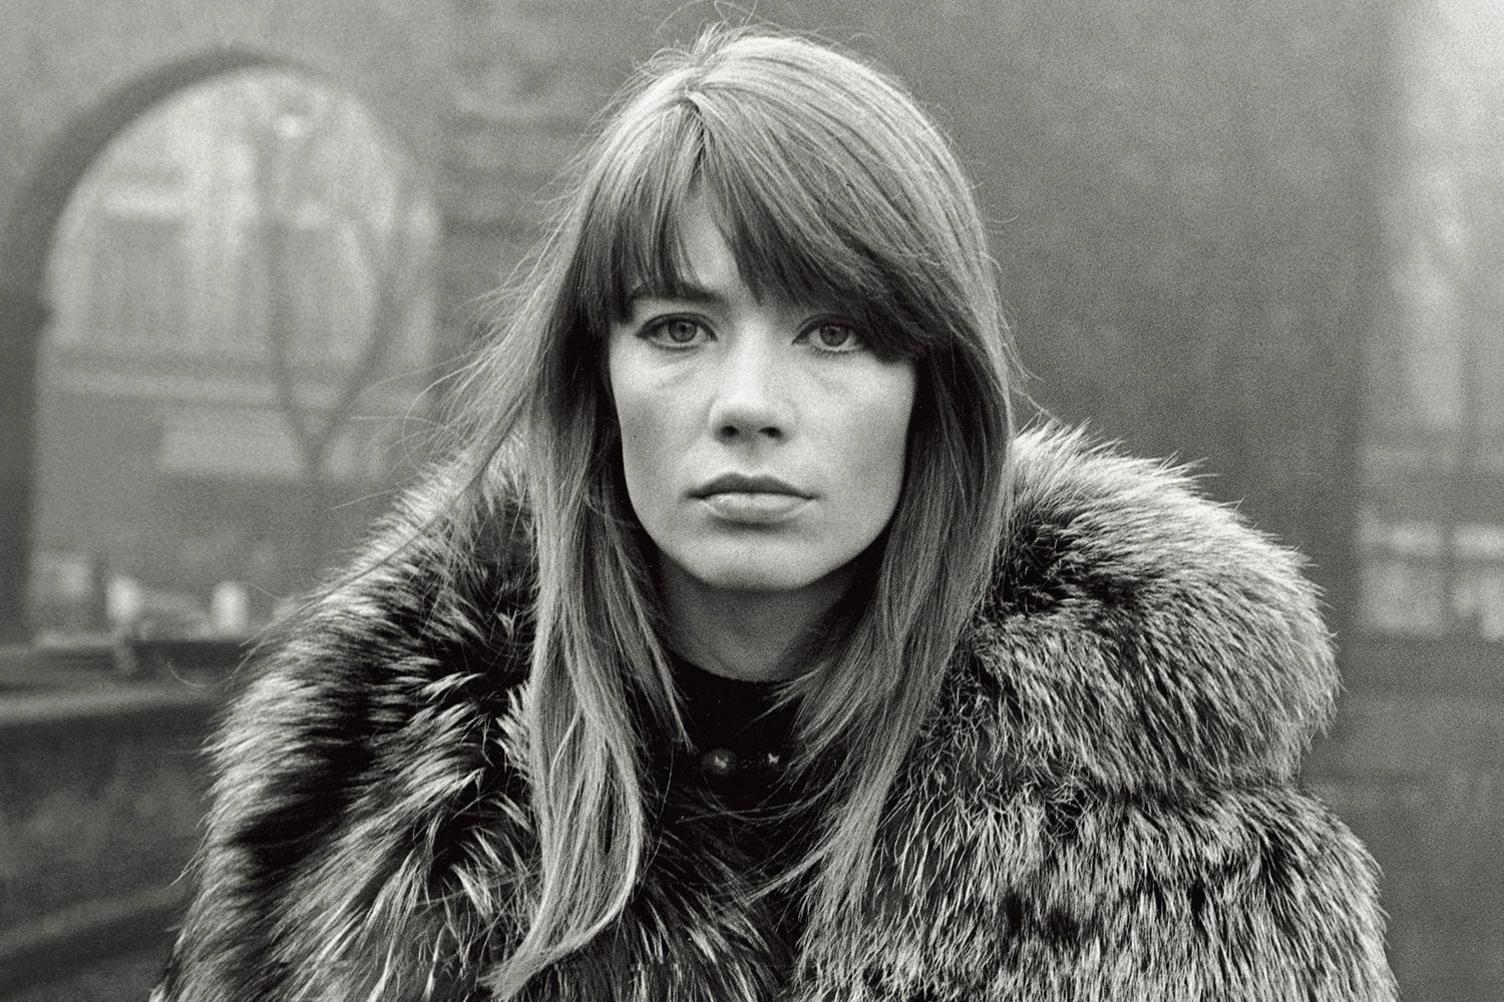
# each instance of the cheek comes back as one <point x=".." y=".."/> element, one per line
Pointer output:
<point x="637" y="425"/>
<point x="891" y="414"/>
<point x="875" y="442"/>
<point x="648" y="425"/>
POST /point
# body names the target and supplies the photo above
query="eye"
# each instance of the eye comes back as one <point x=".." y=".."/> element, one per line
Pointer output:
<point x="833" y="337"/>
<point x="675" y="332"/>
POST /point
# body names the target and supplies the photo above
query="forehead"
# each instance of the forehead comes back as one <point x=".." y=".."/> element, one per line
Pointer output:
<point x="708" y="258"/>
<point x="668" y="222"/>
<point x="706" y="265"/>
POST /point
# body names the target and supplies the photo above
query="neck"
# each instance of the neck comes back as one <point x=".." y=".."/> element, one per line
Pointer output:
<point x="743" y="634"/>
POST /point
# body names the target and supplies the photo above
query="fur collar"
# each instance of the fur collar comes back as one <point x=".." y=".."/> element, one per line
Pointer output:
<point x="1101" y="808"/>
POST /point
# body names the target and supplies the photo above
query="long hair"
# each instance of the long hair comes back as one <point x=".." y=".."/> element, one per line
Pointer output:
<point x="831" y="186"/>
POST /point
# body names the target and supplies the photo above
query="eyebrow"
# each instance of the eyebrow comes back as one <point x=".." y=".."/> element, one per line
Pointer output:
<point x="687" y="291"/>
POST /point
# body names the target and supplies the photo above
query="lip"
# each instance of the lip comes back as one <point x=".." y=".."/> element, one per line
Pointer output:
<point x="742" y="483"/>
<point x="745" y="499"/>
<point x="753" y="508"/>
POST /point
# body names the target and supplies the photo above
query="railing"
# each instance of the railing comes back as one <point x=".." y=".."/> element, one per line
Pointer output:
<point x="1435" y="666"/>
<point x="102" y="785"/>
<point x="1415" y="765"/>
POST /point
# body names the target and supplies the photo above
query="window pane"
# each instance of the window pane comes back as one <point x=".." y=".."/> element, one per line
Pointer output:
<point x="1435" y="455"/>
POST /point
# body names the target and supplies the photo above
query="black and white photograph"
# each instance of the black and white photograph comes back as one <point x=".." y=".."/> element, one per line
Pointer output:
<point x="788" y="501"/>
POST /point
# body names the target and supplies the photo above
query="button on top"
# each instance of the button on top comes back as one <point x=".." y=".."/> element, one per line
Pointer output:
<point x="719" y="763"/>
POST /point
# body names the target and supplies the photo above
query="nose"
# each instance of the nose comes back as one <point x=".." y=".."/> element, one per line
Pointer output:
<point x="750" y="403"/>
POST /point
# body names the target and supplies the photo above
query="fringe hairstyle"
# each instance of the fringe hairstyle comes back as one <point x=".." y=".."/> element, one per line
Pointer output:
<point x="831" y="186"/>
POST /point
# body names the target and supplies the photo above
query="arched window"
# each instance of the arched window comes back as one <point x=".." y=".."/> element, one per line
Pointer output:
<point x="243" y="292"/>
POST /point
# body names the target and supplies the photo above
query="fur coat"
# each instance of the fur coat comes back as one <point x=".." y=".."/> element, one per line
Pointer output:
<point x="1103" y="805"/>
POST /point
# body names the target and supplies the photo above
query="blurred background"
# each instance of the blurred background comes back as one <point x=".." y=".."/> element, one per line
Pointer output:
<point x="240" y="242"/>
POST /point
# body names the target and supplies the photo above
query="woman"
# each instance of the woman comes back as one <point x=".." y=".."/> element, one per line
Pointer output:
<point x="744" y="653"/>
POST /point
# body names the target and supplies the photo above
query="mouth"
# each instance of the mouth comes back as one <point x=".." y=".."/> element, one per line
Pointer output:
<point x="743" y="500"/>
<point x="753" y="509"/>
<point x="740" y="483"/>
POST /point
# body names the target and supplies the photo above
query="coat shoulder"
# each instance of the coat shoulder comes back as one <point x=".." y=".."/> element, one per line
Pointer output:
<point x="1106" y="789"/>
<point x="1140" y="633"/>
<point x="369" y="795"/>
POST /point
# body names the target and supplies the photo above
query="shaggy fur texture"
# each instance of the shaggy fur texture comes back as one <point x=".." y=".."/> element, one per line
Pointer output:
<point x="1103" y="808"/>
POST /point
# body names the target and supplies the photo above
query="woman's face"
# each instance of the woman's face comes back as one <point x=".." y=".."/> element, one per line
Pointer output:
<point x="763" y="442"/>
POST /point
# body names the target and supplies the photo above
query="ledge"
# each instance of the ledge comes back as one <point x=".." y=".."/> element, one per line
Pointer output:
<point x="55" y="945"/>
<point x="123" y="709"/>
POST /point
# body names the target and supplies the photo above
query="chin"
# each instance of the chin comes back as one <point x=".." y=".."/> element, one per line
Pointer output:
<point x="758" y="576"/>
<point x="756" y="565"/>
<point x="762" y="565"/>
